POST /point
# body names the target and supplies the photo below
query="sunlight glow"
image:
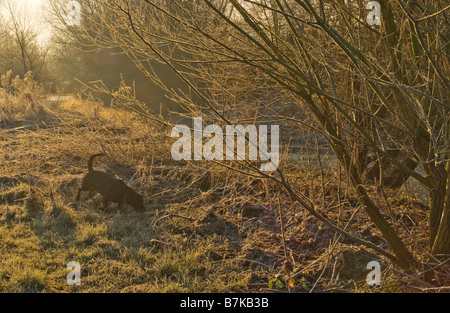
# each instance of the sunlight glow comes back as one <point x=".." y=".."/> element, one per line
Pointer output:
<point x="35" y="12"/>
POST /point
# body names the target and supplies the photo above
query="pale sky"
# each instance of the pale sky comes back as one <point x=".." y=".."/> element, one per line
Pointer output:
<point x="36" y="10"/>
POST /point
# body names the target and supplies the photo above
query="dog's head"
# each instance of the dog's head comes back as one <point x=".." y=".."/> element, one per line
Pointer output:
<point x="135" y="200"/>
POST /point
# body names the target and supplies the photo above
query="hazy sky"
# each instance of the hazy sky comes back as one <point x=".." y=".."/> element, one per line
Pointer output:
<point x="35" y="9"/>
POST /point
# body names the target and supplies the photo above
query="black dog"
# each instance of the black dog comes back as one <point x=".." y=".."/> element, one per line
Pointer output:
<point x="112" y="189"/>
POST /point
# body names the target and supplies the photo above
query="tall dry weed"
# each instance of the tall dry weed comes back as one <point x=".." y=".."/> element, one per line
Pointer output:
<point x="21" y="99"/>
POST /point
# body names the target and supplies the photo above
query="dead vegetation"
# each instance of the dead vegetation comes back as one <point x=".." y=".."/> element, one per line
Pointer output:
<point x="205" y="228"/>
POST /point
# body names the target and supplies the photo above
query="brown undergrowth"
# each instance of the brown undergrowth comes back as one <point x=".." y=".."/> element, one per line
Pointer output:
<point x="205" y="229"/>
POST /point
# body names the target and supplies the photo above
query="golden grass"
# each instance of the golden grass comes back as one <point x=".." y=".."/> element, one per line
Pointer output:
<point x="224" y="238"/>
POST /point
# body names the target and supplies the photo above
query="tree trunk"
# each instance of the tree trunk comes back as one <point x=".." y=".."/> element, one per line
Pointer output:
<point x="441" y="240"/>
<point x="404" y="256"/>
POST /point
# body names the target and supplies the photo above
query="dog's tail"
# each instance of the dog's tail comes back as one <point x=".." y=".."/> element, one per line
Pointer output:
<point x="91" y="159"/>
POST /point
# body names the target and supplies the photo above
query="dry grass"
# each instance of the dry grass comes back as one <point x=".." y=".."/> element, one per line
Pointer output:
<point x="206" y="228"/>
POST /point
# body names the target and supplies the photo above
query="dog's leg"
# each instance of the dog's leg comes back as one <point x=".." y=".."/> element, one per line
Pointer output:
<point x="124" y="200"/>
<point x="82" y="188"/>
<point x="105" y="202"/>
<point x="78" y="195"/>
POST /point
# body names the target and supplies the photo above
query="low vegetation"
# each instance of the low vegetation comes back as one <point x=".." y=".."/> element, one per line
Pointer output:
<point x="205" y="229"/>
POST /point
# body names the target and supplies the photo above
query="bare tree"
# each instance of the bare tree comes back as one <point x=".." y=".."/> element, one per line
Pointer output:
<point x="21" y="41"/>
<point x="378" y="94"/>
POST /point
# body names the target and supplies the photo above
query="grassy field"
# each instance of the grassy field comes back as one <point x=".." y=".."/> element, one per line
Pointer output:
<point x="205" y="228"/>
